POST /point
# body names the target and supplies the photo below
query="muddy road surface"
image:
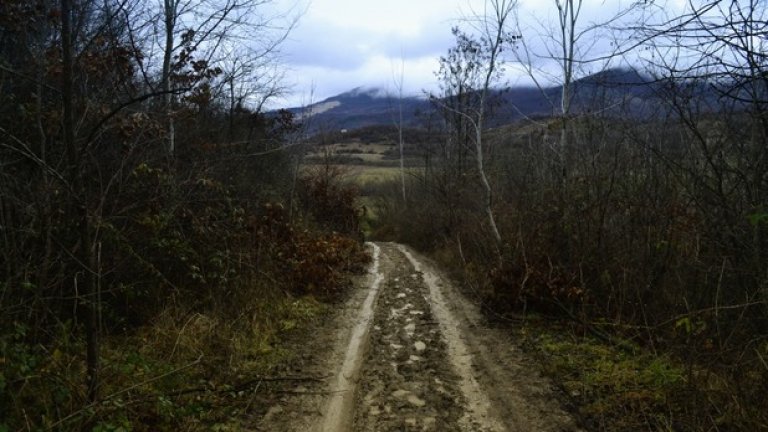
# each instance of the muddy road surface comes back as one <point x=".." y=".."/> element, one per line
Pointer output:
<point x="408" y="352"/>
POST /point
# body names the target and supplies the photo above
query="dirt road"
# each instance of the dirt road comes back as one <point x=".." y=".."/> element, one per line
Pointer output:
<point x="409" y="353"/>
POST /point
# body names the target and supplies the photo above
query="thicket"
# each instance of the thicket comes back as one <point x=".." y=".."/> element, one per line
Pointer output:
<point x="645" y="232"/>
<point x="143" y="286"/>
<point x="655" y="241"/>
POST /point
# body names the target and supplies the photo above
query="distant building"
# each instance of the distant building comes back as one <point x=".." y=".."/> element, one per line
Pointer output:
<point x="343" y="131"/>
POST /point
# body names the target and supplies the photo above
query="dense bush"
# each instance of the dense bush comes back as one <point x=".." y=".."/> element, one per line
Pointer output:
<point x="142" y="273"/>
<point x="655" y="236"/>
<point x="329" y="201"/>
<point x="310" y="262"/>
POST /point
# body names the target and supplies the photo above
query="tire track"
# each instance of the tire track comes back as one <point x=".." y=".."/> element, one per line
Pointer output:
<point x="340" y="406"/>
<point x="418" y="371"/>
<point x="410" y="353"/>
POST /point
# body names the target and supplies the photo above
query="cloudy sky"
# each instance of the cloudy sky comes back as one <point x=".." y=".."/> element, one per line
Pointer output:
<point x="342" y="44"/>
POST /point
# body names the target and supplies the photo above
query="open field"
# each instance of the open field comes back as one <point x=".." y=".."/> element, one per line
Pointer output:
<point x="368" y="178"/>
<point x="361" y="174"/>
<point x="365" y="152"/>
<point x="364" y="175"/>
<point x="362" y="163"/>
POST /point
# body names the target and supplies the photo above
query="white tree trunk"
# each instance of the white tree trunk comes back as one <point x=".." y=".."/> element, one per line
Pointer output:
<point x="169" y="18"/>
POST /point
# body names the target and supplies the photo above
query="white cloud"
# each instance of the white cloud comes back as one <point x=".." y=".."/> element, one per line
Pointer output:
<point x="316" y="83"/>
<point x="342" y="44"/>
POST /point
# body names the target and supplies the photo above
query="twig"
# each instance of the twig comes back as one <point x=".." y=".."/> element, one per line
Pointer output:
<point x="762" y="359"/>
<point x="324" y="392"/>
<point x="123" y="391"/>
<point x="272" y="379"/>
<point x="711" y="309"/>
<point x="245" y="385"/>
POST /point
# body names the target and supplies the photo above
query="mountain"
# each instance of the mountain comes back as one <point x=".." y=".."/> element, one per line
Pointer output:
<point x="620" y="92"/>
<point x="361" y="107"/>
<point x="616" y="92"/>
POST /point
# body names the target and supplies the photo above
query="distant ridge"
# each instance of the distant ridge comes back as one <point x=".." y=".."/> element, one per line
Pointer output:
<point x="360" y="107"/>
<point x="619" y="91"/>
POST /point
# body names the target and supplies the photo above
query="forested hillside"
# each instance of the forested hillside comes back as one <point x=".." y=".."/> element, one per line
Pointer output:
<point x="156" y="235"/>
<point x="165" y="237"/>
<point x="644" y="239"/>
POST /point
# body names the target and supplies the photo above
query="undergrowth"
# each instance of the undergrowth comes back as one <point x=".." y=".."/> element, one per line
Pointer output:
<point x="198" y="371"/>
<point x="613" y="390"/>
<point x="655" y="335"/>
<point x="627" y="387"/>
<point x="201" y="302"/>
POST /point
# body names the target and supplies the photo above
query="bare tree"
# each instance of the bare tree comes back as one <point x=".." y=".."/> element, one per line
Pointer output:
<point x="574" y="46"/>
<point x="468" y="75"/>
<point x="712" y="60"/>
<point x="248" y="81"/>
<point x="80" y="201"/>
<point x="88" y="133"/>
<point x="398" y="81"/>
<point x="210" y="27"/>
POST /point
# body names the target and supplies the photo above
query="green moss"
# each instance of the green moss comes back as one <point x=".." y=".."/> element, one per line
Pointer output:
<point x="615" y="390"/>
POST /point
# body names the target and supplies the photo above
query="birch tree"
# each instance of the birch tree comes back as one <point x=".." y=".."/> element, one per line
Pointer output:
<point x="468" y="74"/>
<point x="574" y="46"/>
<point x="398" y="81"/>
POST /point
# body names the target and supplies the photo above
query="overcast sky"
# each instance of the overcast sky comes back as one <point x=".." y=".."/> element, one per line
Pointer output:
<point x="342" y="44"/>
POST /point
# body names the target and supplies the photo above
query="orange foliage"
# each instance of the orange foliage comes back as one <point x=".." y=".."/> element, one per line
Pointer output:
<point x="541" y="285"/>
<point x="308" y="262"/>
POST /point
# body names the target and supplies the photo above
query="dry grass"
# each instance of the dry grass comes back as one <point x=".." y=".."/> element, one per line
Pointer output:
<point x="368" y="153"/>
<point x="182" y="371"/>
<point x="363" y="175"/>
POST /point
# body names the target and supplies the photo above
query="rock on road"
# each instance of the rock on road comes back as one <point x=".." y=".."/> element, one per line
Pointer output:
<point x="409" y="353"/>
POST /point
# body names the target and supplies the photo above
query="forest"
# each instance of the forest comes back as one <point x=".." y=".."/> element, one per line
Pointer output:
<point x="157" y="234"/>
<point x="635" y="221"/>
<point x="162" y="232"/>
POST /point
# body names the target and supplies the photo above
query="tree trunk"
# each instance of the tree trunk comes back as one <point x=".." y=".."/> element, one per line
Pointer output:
<point x="170" y="24"/>
<point x="488" y="191"/>
<point x="79" y="206"/>
<point x="402" y="163"/>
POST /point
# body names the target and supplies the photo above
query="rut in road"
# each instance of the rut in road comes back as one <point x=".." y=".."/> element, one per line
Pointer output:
<point x="409" y="381"/>
<point x="407" y="352"/>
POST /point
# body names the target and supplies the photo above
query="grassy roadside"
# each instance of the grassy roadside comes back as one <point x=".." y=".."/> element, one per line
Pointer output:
<point x="190" y="372"/>
<point x="201" y="345"/>
<point x="614" y="384"/>
<point x="631" y="388"/>
<point x="609" y="388"/>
